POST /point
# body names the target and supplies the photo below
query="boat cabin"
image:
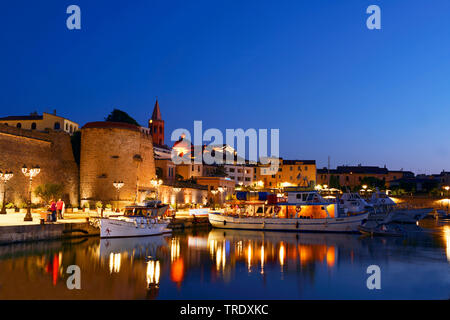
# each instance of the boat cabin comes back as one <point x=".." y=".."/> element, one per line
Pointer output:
<point x="305" y="197"/>
<point x="150" y="209"/>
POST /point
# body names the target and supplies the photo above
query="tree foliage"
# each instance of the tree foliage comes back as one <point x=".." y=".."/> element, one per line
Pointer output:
<point x="373" y="183"/>
<point x="49" y="191"/>
<point x="120" y="116"/>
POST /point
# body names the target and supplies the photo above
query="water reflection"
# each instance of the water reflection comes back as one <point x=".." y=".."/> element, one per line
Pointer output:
<point x="224" y="264"/>
<point x="447" y="241"/>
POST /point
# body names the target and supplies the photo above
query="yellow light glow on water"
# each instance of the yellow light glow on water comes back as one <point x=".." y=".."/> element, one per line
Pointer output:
<point x="262" y="259"/>
<point x="153" y="272"/>
<point x="174" y="249"/>
<point x="220" y="258"/>
<point x="249" y="257"/>
<point x="331" y="256"/>
<point x="114" y="262"/>
<point x="305" y="254"/>
<point x="282" y="254"/>
<point x="239" y="248"/>
<point x="447" y="241"/>
<point x="224" y="258"/>
<point x="212" y="247"/>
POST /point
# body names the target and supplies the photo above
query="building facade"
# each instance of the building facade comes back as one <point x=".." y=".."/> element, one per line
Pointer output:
<point x="353" y="176"/>
<point x="43" y="122"/>
<point x="290" y="173"/>
<point x="241" y="174"/>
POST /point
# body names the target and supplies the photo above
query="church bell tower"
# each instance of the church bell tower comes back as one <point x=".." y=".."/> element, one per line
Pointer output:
<point x="156" y="125"/>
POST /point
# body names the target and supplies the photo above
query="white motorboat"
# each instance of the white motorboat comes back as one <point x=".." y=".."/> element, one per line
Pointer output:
<point x="137" y="221"/>
<point x="381" y="202"/>
<point x="390" y="212"/>
<point x="353" y="203"/>
<point x="303" y="211"/>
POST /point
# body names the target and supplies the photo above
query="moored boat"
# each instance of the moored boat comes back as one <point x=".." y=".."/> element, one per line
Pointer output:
<point x="303" y="211"/>
<point x="353" y="203"/>
<point x="137" y="221"/>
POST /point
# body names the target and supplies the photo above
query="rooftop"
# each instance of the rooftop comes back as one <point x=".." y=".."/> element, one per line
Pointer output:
<point x="30" y="117"/>
<point x="108" y="124"/>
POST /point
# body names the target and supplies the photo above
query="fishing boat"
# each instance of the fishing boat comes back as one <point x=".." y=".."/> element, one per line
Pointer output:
<point x="300" y="211"/>
<point x="137" y="221"/>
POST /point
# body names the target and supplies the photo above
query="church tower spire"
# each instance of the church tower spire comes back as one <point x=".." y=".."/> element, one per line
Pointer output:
<point x="156" y="125"/>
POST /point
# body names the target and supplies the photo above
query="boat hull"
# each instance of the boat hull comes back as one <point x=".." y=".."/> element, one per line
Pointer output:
<point x="342" y="224"/>
<point x="117" y="228"/>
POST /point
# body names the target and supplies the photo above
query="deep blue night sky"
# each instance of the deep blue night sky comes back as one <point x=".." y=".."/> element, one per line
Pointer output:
<point x="310" y="68"/>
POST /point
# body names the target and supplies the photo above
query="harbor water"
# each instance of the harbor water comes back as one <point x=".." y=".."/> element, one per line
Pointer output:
<point x="232" y="264"/>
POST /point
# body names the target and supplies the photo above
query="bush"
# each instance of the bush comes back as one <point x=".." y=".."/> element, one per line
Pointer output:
<point x="49" y="191"/>
<point x="99" y="204"/>
<point x="10" y="206"/>
<point x="108" y="206"/>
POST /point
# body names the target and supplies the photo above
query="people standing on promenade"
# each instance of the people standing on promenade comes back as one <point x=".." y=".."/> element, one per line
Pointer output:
<point x="53" y="210"/>
<point x="60" y="208"/>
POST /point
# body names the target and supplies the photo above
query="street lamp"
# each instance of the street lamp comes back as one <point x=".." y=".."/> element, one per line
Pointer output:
<point x="5" y="177"/>
<point x="176" y="190"/>
<point x="156" y="183"/>
<point x="31" y="173"/>
<point x="221" y="190"/>
<point x="118" y="185"/>
<point x="214" y="192"/>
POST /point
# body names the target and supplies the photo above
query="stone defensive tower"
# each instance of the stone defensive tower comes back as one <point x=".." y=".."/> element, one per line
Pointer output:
<point x="113" y="151"/>
<point x="156" y="125"/>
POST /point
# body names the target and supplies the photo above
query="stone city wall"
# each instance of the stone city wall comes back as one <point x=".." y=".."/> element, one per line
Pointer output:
<point x="51" y="150"/>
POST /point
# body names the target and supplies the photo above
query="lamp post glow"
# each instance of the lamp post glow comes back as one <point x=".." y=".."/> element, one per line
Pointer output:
<point x="118" y="185"/>
<point x="5" y="177"/>
<point x="30" y="173"/>
<point x="156" y="183"/>
<point x="214" y="192"/>
<point x="176" y="190"/>
<point x="221" y="190"/>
